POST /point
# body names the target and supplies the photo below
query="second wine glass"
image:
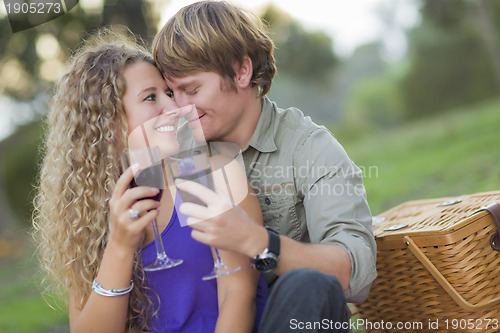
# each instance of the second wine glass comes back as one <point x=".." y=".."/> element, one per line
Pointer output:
<point x="195" y="166"/>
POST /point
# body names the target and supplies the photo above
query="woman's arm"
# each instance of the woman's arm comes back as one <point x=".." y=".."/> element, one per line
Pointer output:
<point x="109" y="314"/>
<point x="237" y="291"/>
<point x="100" y="313"/>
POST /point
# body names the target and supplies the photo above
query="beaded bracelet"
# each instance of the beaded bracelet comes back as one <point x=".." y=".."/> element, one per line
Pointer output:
<point x="111" y="292"/>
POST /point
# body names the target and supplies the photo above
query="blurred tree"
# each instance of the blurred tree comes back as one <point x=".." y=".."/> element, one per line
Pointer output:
<point x="299" y="53"/>
<point x="306" y="66"/>
<point x="32" y="58"/>
<point x="373" y="100"/>
<point x="18" y="172"/>
<point x="7" y="218"/>
<point x="375" y="103"/>
<point x="449" y="62"/>
<point x="486" y="12"/>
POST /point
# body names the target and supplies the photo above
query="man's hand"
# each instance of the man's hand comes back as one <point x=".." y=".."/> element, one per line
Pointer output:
<point x="221" y="225"/>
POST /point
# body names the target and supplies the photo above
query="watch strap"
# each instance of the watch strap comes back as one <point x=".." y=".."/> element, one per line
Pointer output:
<point x="274" y="241"/>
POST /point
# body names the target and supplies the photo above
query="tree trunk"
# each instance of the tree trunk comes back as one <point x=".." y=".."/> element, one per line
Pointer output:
<point x="485" y="22"/>
<point x="7" y="219"/>
<point x="130" y="13"/>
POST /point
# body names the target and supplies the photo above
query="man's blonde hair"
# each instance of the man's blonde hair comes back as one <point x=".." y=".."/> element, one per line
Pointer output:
<point x="212" y="36"/>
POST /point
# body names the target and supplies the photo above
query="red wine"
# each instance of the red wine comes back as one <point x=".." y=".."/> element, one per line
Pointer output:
<point x="151" y="176"/>
<point x="203" y="177"/>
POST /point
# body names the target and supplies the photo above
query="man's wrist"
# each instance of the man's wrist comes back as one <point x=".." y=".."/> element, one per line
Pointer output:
<point x="257" y="242"/>
<point x="267" y="260"/>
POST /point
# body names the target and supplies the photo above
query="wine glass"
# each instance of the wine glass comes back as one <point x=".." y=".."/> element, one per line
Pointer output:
<point x="151" y="173"/>
<point x="195" y="165"/>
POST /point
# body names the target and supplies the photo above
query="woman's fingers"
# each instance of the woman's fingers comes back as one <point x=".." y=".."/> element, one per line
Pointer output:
<point x="131" y="210"/>
<point x="136" y="194"/>
<point x="144" y="206"/>
<point x="124" y="181"/>
<point x="141" y="223"/>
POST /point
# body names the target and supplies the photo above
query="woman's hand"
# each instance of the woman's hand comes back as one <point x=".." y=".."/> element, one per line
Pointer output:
<point x="127" y="232"/>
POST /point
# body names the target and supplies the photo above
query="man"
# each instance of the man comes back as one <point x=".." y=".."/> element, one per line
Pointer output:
<point x="218" y="57"/>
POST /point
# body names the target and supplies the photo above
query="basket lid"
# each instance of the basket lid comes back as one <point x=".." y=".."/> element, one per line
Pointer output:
<point x="440" y="217"/>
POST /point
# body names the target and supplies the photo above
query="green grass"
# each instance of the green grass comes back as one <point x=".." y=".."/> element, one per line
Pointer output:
<point x="22" y="309"/>
<point x="448" y="155"/>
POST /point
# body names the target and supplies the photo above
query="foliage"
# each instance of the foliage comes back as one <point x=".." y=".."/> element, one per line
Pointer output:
<point x="306" y="65"/>
<point x="27" y="65"/>
<point x="301" y="54"/>
<point x="375" y="103"/>
<point x="450" y="62"/>
<point x="19" y="168"/>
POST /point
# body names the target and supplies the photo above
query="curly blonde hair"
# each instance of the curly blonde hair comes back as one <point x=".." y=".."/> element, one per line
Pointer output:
<point x="87" y="130"/>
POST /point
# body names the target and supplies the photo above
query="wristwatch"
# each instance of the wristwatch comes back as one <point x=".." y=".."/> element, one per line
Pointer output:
<point x="268" y="260"/>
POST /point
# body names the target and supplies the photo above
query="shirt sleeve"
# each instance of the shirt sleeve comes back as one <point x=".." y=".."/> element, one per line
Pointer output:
<point x="336" y="207"/>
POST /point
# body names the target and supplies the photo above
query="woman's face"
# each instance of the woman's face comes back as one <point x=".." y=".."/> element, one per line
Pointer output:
<point x="150" y="111"/>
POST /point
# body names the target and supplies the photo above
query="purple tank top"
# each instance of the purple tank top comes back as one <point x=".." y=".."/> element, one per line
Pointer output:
<point x="188" y="304"/>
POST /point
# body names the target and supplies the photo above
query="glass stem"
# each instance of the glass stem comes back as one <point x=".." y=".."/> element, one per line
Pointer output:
<point x="217" y="258"/>
<point x="160" y="251"/>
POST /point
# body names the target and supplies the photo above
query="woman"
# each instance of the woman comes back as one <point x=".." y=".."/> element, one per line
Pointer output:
<point x="89" y="241"/>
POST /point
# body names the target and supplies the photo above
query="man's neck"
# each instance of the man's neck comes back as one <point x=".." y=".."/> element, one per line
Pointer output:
<point x="247" y="125"/>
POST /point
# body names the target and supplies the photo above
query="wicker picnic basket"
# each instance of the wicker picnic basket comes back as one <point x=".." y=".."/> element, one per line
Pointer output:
<point x="438" y="265"/>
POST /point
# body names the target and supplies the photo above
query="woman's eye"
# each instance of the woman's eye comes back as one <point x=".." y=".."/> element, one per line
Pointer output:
<point x="151" y="97"/>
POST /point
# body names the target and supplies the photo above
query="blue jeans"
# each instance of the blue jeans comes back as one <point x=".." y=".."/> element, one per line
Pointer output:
<point x="305" y="300"/>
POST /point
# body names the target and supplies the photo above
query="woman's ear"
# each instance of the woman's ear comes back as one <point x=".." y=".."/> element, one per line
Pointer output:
<point x="244" y="72"/>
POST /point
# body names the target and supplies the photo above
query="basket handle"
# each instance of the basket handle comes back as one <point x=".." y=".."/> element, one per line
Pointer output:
<point x="494" y="210"/>
<point x="444" y="283"/>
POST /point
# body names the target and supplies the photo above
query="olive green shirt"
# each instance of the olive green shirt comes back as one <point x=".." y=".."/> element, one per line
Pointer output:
<point x="310" y="190"/>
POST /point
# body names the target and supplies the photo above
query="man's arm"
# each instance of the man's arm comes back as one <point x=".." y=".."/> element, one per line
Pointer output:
<point x="338" y="224"/>
<point x="326" y="258"/>
<point x="236" y="231"/>
<point x="236" y="291"/>
<point x="336" y="208"/>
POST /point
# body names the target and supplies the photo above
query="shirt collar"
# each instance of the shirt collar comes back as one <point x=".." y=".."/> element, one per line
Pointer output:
<point x="263" y="136"/>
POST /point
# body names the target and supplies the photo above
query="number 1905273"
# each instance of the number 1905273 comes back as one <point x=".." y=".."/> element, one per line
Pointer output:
<point x="471" y="324"/>
<point x="36" y="7"/>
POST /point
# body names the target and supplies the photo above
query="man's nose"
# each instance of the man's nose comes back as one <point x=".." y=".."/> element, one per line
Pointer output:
<point x="181" y="99"/>
<point x="168" y="104"/>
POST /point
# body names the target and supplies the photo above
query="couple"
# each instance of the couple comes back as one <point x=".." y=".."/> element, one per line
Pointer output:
<point x="217" y="57"/>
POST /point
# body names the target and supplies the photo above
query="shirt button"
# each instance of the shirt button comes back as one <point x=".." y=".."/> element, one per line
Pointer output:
<point x="267" y="200"/>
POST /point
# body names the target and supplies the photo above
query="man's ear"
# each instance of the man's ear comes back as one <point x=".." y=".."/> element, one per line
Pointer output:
<point x="244" y="72"/>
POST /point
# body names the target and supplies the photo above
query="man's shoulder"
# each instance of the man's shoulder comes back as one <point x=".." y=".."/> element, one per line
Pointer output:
<point x="292" y="124"/>
<point x="294" y="118"/>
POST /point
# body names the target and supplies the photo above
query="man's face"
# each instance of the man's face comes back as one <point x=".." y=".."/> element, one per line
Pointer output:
<point x="220" y="111"/>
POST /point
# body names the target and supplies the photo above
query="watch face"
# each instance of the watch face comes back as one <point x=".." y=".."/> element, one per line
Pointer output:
<point x="266" y="264"/>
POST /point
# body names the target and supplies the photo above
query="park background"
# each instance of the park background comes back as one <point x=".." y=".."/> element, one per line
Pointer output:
<point x="417" y="108"/>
